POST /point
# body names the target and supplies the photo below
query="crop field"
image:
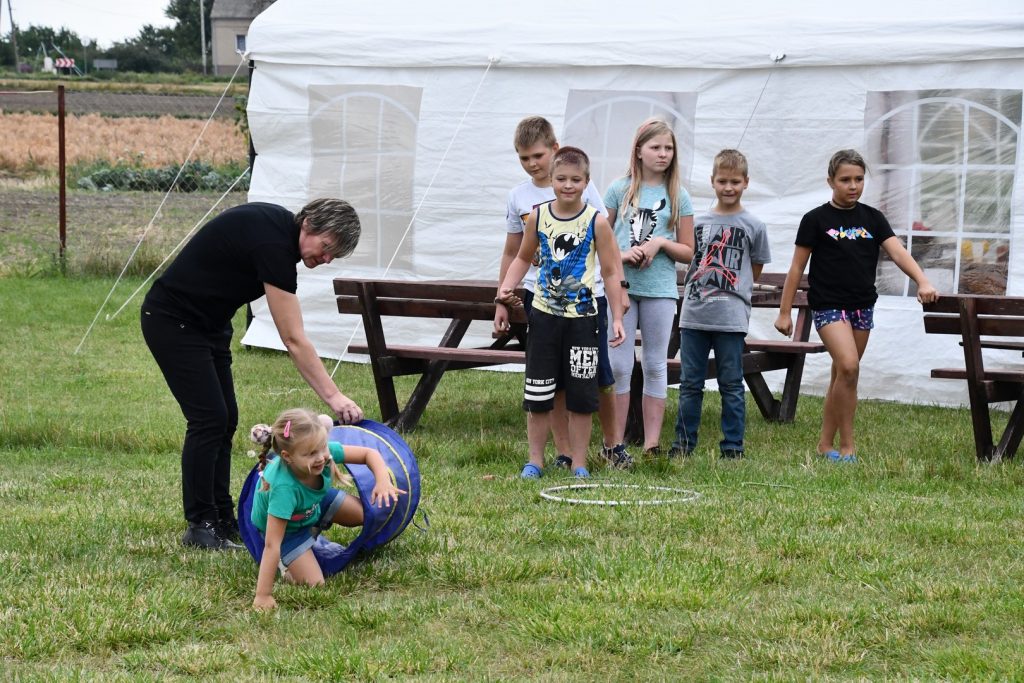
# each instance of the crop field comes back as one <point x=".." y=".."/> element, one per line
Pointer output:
<point x="30" y="141"/>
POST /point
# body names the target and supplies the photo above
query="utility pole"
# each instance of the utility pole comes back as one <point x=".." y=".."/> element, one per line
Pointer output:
<point x="202" y="32"/>
<point x="14" y="38"/>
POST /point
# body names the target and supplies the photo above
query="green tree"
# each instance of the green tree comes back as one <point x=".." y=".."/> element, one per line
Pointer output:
<point x="186" y="33"/>
<point x="150" y="51"/>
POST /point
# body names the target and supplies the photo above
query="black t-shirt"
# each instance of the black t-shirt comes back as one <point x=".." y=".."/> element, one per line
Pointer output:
<point x="844" y="247"/>
<point x="226" y="264"/>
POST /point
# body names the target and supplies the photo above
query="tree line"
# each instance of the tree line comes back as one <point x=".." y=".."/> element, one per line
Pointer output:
<point x="169" y="49"/>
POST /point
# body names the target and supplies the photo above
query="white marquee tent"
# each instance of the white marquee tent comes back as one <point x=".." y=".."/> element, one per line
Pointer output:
<point x="407" y="109"/>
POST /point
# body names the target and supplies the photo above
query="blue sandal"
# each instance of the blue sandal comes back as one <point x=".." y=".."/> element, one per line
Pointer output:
<point x="581" y="473"/>
<point x="531" y="471"/>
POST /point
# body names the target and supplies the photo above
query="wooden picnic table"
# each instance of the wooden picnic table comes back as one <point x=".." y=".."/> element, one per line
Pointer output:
<point x="460" y="302"/>
<point x="984" y="322"/>
<point x="759" y="356"/>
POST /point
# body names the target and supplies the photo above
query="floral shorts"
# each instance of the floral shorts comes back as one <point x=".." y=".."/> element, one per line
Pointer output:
<point x="859" y="318"/>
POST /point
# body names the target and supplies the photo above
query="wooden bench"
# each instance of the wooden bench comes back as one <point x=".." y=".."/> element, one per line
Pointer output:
<point x="978" y="318"/>
<point x="759" y="356"/>
<point x="459" y="302"/>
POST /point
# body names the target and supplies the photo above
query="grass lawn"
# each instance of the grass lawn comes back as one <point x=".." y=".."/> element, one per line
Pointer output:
<point x="906" y="565"/>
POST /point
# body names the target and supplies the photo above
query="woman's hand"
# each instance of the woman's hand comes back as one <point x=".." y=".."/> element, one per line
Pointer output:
<point x="346" y="409"/>
<point x="264" y="603"/>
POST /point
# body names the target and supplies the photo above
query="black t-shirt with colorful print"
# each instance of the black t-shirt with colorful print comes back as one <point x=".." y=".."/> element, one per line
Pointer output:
<point x="844" y="247"/>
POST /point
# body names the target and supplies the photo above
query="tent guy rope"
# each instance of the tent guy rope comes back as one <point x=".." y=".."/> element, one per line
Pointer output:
<point x="156" y="213"/>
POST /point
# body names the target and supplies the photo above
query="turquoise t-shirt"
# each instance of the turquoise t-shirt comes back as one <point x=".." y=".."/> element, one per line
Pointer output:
<point x="652" y="219"/>
<point x="287" y="497"/>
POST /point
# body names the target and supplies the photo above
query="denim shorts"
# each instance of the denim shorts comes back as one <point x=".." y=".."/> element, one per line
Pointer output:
<point x="298" y="542"/>
<point x="859" y="318"/>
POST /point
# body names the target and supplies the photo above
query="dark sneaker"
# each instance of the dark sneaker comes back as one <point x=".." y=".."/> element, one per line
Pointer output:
<point x="205" y="535"/>
<point x="563" y="462"/>
<point x="653" y="452"/>
<point x="731" y="454"/>
<point x="680" y="452"/>
<point x="617" y="457"/>
<point x="228" y="529"/>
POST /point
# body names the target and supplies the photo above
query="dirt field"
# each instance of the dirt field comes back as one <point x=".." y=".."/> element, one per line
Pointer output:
<point x="120" y="104"/>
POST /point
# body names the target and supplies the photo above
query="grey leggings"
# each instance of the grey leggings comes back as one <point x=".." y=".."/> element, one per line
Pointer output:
<point x="654" y="316"/>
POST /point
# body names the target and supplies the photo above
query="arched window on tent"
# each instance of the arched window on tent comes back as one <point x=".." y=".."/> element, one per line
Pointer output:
<point x="942" y="168"/>
<point x="603" y="122"/>
<point x="364" y="151"/>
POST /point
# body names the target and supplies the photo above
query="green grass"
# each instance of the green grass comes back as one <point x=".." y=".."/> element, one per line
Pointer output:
<point x="906" y="565"/>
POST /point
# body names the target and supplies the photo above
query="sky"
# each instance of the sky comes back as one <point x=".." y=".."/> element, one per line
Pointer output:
<point x="107" y="21"/>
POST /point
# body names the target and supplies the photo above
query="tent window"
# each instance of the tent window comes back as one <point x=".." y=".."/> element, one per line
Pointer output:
<point x="364" y="149"/>
<point x="603" y="123"/>
<point x="943" y="168"/>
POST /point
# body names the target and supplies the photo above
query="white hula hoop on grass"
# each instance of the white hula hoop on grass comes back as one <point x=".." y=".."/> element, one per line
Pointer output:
<point x="670" y="495"/>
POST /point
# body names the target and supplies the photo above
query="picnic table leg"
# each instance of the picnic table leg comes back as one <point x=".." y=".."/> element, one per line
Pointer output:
<point x="975" y="375"/>
<point x="1010" y="441"/>
<point x="634" y="432"/>
<point x="377" y="346"/>
<point x="786" y="408"/>
<point x="762" y="395"/>
<point x="410" y="416"/>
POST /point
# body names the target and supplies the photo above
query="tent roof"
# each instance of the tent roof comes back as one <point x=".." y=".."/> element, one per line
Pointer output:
<point x="657" y="33"/>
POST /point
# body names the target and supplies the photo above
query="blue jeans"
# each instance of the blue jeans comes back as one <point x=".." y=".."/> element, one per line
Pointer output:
<point x="695" y="346"/>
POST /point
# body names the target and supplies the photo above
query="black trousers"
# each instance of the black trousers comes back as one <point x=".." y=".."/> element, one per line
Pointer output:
<point x="197" y="368"/>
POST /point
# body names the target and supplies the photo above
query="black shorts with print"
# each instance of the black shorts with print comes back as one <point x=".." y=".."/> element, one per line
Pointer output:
<point x="561" y="354"/>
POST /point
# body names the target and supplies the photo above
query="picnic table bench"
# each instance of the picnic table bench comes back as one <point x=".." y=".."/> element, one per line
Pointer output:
<point x="977" y="319"/>
<point x="460" y="302"/>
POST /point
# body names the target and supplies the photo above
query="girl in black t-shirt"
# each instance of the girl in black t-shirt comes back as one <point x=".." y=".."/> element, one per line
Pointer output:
<point x="845" y="237"/>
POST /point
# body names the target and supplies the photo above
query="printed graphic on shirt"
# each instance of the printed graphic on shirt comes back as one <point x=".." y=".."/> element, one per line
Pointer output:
<point x="643" y="223"/>
<point x="562" y="280"/>
<point x="539" y="390"/>
<point x="849" y="234"/>
<point x="719" y="255"/>
<point x="307" y="514"/>
<point x="583" y="362"/>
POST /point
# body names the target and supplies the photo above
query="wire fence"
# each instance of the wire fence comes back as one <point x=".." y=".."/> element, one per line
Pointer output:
<point x="126" y="155"/>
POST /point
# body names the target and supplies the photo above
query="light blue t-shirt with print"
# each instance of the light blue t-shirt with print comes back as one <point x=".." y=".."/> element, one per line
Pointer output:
<point x="652" y="218"/>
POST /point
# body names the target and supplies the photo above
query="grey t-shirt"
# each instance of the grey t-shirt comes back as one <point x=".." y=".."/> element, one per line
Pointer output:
<point x="720" y="280"/>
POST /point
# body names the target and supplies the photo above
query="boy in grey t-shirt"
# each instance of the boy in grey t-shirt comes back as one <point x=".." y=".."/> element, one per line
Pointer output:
<point x="731" y="247"/>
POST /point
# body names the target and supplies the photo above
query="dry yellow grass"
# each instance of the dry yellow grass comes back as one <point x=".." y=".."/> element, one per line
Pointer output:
<point x="30" y="141"/>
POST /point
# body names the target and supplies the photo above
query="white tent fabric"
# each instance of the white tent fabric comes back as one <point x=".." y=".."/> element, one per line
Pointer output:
<point x="408" y="110"/>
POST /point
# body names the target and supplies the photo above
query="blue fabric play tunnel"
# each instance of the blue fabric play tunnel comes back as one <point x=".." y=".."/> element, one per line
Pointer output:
<point x="380" y="525"/>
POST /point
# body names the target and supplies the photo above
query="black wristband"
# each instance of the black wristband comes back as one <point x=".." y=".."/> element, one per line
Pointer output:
<point x="624" y="284"/>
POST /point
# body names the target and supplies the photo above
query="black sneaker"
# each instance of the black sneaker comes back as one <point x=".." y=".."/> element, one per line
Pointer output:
<point x="563" y="462"/>
<point x="653" y="452"/>
<point x="731" y="454"/>
<point x="205" y="535"/>
<point x="679" y="452"/>
<point x="227" y="528"/>
<point x="617" y="457"/>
